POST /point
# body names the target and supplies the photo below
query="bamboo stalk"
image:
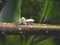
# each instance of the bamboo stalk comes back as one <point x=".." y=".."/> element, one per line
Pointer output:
<point x="39" y="29"/>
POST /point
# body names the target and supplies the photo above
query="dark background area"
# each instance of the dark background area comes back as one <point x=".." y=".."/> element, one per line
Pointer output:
<point x="2" y="3"/>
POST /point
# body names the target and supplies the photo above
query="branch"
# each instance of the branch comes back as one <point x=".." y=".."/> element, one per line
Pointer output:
<point x="36" y="29"/>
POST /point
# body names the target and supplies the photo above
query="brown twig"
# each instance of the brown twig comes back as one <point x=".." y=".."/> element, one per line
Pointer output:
<point x="43" y="29"/>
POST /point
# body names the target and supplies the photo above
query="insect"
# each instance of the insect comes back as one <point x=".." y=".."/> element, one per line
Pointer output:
<point x="25" y="21"/>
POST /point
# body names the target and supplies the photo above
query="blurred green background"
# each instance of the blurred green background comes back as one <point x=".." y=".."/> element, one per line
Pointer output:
<point x="43" y="11"/>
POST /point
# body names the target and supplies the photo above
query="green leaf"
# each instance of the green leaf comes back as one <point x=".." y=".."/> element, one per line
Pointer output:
<point x="44" y="11"/>
<point x="49" y="41"/>
<point x="29" y="41"/>
<point x="13" y="40"/>
<point x="11" y="12"/>
<point x="54" y="16"/>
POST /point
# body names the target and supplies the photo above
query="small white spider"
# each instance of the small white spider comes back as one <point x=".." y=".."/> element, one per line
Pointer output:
<point x="25" y="21"/>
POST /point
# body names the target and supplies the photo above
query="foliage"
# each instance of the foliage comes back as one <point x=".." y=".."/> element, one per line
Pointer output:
<point x="11" y="12"/>
<point x="54" y="16"/>
<point x="43" y="11"/>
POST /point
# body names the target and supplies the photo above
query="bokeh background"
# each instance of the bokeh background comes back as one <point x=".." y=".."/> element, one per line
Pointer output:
<point x="43" y="11"/>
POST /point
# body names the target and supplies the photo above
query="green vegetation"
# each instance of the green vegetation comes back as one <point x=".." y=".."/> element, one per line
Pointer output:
<point x="43" y="11"/>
